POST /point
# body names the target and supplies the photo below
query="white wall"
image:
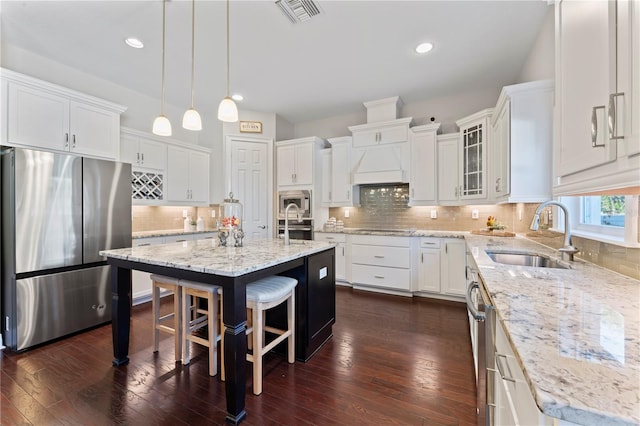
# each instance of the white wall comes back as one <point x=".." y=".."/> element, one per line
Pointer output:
<point x="540" y="63"/>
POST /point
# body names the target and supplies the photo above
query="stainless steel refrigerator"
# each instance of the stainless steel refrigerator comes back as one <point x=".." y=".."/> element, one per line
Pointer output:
<point x="58" y="212"/>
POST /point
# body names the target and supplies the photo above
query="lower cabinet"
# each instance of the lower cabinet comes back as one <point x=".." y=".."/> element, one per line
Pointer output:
<point x="341" y="251"/>
<point x="381" y="262"/>
<point x="441" y="268"/>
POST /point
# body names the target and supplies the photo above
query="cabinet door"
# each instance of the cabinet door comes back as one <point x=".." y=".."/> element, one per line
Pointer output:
<point x="500" y="148"/>
<point x="198" y="177"/>
<point x="429" y="272"/>
<point x="94" y="131"/>
<point x="37" y="118"/>
<point x="129" y="149"/>
<point x="153" y="154"/>
<point x="340" y="175"/>
<point x="448" y="171"/>
<point x="394" y="134"/>
<point x="473" y="160"/>
<point x="341" y="262"/>
<point x="366" y="137"/>
<point x="304" y="167"/>
<point x="177" y="174"/>
<point x="423" y="168"/>
<point x="587" y="75"/>
<point x="285" y="163"/>
<point x="325" y="184"/>
<point x="453" y="267"/>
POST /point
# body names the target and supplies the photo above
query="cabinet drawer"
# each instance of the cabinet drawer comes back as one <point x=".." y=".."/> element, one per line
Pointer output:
<point x="334" y="238"/>
<point x="430" y="243"/>
<point x="396" y="257"/>
<point x="149" y="241"/>
<point x="379" y="276"/>
<point x="381" y="240"/>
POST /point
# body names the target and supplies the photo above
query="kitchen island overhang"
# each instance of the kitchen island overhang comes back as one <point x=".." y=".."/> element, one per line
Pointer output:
<point x="232" y="268"/>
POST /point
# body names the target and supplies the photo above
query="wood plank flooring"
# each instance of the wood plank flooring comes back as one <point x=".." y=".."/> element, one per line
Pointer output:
<point x="392" y="360"/>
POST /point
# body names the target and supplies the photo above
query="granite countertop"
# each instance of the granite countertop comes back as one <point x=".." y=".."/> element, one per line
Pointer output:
<point x="575" y="332"/>
<point x="167" y="232"/>
<point x="208" y="257"/>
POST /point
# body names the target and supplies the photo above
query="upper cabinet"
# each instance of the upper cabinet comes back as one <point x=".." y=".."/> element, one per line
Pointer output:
<point x="338" y="190"/>
<point x="380" y="133"/>
<point x="295" y="161"/>
<point x="521" y="143"/>
<point x="147" y="154"/>
<point x="448" y="175"/>
<point x="423" y="171"/>
<point x="597" y="145"/>
<point x="46" y="116"/>
<point x="474" y="140"/>
<point x="187" y="175"/>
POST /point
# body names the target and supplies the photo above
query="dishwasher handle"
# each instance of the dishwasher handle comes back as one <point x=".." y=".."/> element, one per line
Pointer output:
<point x="477" y="315"/>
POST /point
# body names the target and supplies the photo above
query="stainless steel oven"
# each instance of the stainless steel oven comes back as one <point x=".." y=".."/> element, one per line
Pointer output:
<point x="301" y="198"/>
<point x="482" y="319"/>
<point x="297" y="230"/>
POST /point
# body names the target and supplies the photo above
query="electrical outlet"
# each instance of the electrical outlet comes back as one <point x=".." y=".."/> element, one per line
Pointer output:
<point x="474" y="214"/>
<point x="434" y="214"/>
<point x="184" y="213"/>
<point x="346" y="213"/>
<point x="213" y="213"/>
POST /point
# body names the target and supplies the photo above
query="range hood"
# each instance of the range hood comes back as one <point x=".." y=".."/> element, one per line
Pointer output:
<point x="380" y="165"/>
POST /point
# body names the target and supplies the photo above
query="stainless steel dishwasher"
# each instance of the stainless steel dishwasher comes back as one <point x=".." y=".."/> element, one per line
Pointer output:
<point x="483" y="314"/>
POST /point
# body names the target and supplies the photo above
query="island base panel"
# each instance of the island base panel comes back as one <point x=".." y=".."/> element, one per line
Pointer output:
<point x="120" y="313"/>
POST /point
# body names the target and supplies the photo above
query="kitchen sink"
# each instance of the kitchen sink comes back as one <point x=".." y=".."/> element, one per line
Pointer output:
<point x="524" y="259"/>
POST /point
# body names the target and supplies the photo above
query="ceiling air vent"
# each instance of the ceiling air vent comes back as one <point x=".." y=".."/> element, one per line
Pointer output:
<point x="298" y="10"/>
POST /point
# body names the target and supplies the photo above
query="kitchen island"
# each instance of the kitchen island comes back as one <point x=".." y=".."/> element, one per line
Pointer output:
<point x="232" y="268"/>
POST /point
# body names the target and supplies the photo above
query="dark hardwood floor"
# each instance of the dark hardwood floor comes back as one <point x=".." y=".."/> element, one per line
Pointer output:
<point x="392" y="360"/>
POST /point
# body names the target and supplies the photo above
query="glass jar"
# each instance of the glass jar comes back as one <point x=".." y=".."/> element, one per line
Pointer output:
<point x="230" y="227"/>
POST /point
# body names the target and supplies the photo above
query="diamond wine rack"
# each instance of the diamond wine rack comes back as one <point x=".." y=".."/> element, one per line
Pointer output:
<point x="147" y="185"/>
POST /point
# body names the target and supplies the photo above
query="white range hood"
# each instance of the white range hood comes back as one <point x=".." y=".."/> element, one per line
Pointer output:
<point x="380" y="165"/>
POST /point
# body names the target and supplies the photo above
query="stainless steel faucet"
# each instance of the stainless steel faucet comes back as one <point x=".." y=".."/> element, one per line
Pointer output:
<point x="286" y="221"/>
<point x="566" y="252"/>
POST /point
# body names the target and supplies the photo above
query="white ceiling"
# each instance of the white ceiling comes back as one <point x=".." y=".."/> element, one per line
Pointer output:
<point x="354" y="51"/>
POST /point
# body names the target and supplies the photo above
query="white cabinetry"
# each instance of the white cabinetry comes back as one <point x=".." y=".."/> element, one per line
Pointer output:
<point x="474" y="141"/>
<point x="442" y="263"/>
<point x="448" y="174"/>
<point x="341" y="251"/>
<point x="337" y="190"/>
<point x="423" y="175"/>
<point x="381" y="262"/>
<point x="597" y="145"/>
<point x="381" y="133"/>
<point x="45" y="116"/>
<point x="295" y="161"/>
<point x="187" y="175"/>
<point x="148" y="157"/>
<point x="521" y="143"/>
<point x="325" y="181"/>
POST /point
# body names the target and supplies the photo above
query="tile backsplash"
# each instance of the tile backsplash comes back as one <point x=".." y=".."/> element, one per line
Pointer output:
<point x="158" y="218"/>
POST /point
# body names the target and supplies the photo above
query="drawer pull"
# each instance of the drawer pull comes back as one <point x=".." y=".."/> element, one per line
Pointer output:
<point x="329" y="238"/>
<point x="145" y="244"/>
<point x="501" y="369"/>
<point x="378" y="276"/>
<point x="379" y="257"/>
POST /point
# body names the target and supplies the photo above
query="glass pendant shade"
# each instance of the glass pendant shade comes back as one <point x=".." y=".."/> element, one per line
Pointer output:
<point x="191" y="120"/>
<point x="162" y="126"/>
<point x="228" y="111"/>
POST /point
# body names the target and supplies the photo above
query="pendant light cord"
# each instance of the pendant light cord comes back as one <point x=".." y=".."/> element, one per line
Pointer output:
<point x="193" y="45"/>
<point x="227" y="48"/>
<point x="164" y="5"/>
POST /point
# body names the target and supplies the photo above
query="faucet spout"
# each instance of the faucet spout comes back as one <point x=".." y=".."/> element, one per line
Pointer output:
<point x="568" y="250"/>
<point x="286" y="221"/>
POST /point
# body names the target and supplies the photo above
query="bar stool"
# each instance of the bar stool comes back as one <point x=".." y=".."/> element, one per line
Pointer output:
<point x="160" y="322"/>
<point x="195" y="318"/>
<point x="262" y="295"/>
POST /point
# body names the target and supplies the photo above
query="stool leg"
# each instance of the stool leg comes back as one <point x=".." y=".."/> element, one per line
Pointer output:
<point x="155" y="302"/>
<point x="222" y="329"/>
<point x="258" y="345"/>
<point x="212" y="327"/>
<point x="186" y="314"/>
<point x="177" y="319"/>
<point x="291" y="323"/>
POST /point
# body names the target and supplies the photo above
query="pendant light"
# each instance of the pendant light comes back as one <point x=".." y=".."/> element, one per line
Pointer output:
<point x="228" y="111"/>
<point x="191" y="119"/>
<point x="162" y="125"/>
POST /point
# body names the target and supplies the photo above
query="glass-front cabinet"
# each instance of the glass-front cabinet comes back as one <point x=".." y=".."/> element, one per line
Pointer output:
<point x="474" y="136"/>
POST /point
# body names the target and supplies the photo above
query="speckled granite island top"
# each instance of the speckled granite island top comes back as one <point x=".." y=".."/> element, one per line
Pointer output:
<point x="575" y="332"/>
<point x="206" y="256"/>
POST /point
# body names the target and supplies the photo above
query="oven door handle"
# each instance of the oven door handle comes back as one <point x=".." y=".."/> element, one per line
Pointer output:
<point x="295" y="229"/>
<point x="477" y="315"/>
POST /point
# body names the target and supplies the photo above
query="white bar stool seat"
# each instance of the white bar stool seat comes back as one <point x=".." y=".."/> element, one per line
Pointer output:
<point x="162" y="323"/>
<point x="262" y="295"/>
<point x="195" y="318"/>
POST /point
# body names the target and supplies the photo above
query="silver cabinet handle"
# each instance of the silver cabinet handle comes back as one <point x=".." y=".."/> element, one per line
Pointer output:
<point x="497" y="184"/>
<point x="378" y="276"/>
<point x="429" y="244"/>
<point x="477" y="315"/>
<point x="343" y="251"/>
<point x="421" y="257"/>
<point x="73" y="144"/>
<point x="138" y="157"/>
<point x="378" y="257"/>
<point x="499" y="358"/>
<point x="262" y="226"/>
<point x="612" y="118"/>
<point x="142" y="157"/>
<point x="329" y="195"/>
<point x="594" y="127"/>
<point x="142" y="245"/>
<point x="66" y="140"/>
<point x="329" y="238"/>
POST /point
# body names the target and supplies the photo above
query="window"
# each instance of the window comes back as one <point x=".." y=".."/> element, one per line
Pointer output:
<point x="608" y="218"/>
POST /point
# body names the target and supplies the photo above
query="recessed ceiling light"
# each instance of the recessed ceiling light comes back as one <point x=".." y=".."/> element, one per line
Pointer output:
<point x="424" y="47"/>
<point x="237" y="97"/>
<point x="134" y="42"/>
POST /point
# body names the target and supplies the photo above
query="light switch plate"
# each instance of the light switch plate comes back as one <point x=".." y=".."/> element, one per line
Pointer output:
<point x="213" y="213"/>
<point x="346" y="213"/>
<point x="184" y="213"/>
<point x="474" y="214"/>
<point x="434" y="214"/>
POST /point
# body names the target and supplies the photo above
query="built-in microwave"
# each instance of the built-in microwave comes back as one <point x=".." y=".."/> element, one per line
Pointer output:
<point x="301" y="198"/>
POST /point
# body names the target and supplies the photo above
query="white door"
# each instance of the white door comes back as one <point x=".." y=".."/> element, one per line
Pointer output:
<point x="251" y="183"/>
